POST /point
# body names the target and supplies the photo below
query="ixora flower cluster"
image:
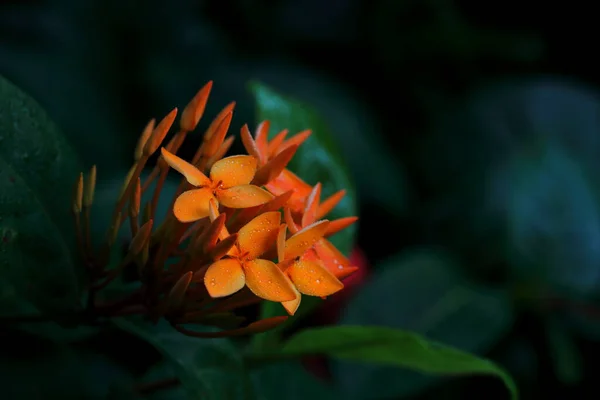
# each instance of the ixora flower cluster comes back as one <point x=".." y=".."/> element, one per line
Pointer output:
<point x="241" y="228"/>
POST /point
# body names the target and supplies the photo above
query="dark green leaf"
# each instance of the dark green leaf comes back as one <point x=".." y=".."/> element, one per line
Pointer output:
<point x="71" y="68"/>
<point x="38" y="169"/>
<point x="422" y="292"/>
<point x="25" y="359"/>
<point x="566" y="357"/>
<point x="386" y="346"/>
<point x="521" y="190"/>
<point x="37" y="368"/>
<point x="317" y="160"/>
<point x="290" y="381"/>
<point x="207" y="368"/>
<point x="161" y="372"/>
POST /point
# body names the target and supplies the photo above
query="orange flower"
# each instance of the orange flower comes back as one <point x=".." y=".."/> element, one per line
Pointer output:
<point x="309" y="276"/>
<point x="323" y="249"/>
<point x="229" y="183"/>
<point x="243" y="267"/>
<point x="174" y="256"/>
<point x="266" y="152"/>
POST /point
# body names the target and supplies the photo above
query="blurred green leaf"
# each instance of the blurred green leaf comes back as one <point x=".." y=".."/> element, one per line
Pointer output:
<point x="290" y="381"/>
<point x="552" y="207"/>
<point x="65" y="57"/>
<point x="317" y="160"/>
<point x="386" y="346"/>
<point x="422" y="292"/>
<point x="521" y="189"/>
<point x="38" y="169"/>
<point x="567" y="360"/>
<point x="207" y="368"/>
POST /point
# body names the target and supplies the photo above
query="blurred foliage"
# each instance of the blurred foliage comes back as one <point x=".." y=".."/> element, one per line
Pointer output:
<point x="422" y="292"/>
<point x="452" y="120"/>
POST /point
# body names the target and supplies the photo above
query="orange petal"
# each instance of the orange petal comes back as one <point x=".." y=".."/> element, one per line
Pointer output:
<point x="281" y="235"/>
<point x="213" y="214"/>
<point x="260" y="234"/>
<point x="249" y="142"/>
<point x="243" y="196"/>
<point x="221" y="152"/>
<point x="289" y="220"/>
<point x="191" y="173"/>
<point x="329" y="204"/>
<point x="297" y="245"/>
<point x="214" y="125"/>
<point x="278" y="202"/>
<point x="276" y="142"/>
<point x="224" y="277"/>
<point x="213" y="209"/>
<point x="313" y="279"/>
<point x="273" y="168"/>
<point x="233" y="171"/>
<point x="159" y="133"/>
<point x="333" y="259"/>
<point x="266" y="280"/>
<point x="339" y="224"/>
<point x="262" y="139"/>
<point x="312" y="205"/>
<point x="292" y="306"/>
<point x="195" y="109"/>
<point x="143" y="139"/>
<point x="296" y="140"/>
<point x="192" y="205"/>
<point x="212" y="144"/>
<point x="287" y="180"/>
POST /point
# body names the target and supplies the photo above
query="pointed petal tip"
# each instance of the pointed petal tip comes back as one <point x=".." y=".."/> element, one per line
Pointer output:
<point x="224" y="277"/>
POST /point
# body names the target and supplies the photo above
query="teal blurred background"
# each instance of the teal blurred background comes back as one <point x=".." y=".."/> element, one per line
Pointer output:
<point x="471" y="129"/>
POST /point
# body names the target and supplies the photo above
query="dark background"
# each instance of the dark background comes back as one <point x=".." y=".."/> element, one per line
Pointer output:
<point x="471" y="128"/>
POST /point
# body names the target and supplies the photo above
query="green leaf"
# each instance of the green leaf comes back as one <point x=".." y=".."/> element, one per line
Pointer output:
<point x="290" y="381"/>
<point x="38" y="169"/>
<point x="386" y="346"/>
<point x="317" y="160"/>
<point x="207" y="368"/>
<point x="423" y="292"/>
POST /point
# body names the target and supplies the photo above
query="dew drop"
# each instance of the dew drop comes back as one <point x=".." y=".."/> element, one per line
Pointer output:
<point x="318" y="281"/>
